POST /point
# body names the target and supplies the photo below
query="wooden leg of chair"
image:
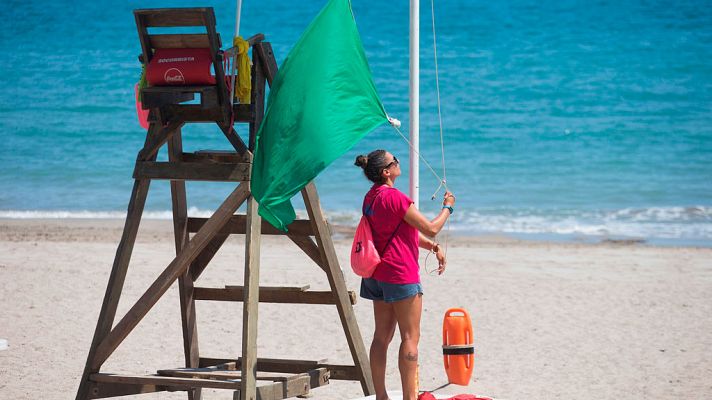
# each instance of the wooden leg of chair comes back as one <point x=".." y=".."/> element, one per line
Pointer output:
<point x="338" y="286"/>
<point x="185" y="281"/>
<point x="248" y="388"/>
<point x="118" y="271"/>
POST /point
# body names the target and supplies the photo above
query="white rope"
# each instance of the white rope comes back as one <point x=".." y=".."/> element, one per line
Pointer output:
<point x="440" y="118"/>
<point x="395" y="124"/>
<point x="437" y="90"/>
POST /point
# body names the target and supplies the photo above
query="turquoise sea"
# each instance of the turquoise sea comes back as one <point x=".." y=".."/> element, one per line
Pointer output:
<point x="569" y="120"/>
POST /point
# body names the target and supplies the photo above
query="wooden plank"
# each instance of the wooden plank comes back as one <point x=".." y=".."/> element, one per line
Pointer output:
<point x="232" y="136"/>
<point x="248" y="389"/>
<point x="236" y="226"/>
<point x="179" y="41"/>
<point x="337" y="371"/>
<point x="235" y="293"/>
<point x="257" y="101"/>
<point x="273" y="289"/>
<point x="207" y="373"/>
<point x="196" y="113"/>
<point x="160" y="96"/>
<point x="102" y="390"/>
<point x="252" y="40"/>
<point x="338" y="286"/>
<point x="118" y="273"/>
<point x="298" y="385"/>
<point x="172" y="382"/>
<point x="217" y="156"/>
<point x="223" y="172"/>
<point x="157" y="137"/>
<point x="185" y="281"/>
<point x="224" y="102"/>
<point x="243" y="112"/>
<point x="266" y="57"/>
<point x="168" y="17"/>
<point x="155" y="99"/>
<point x="268" y="364"/>
<point x="146" y="52"/>
<point x="205" y="256"/>
<point x="169" y="275"/>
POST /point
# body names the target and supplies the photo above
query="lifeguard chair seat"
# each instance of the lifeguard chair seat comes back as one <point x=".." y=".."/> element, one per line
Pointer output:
<point x="202" y="48"/>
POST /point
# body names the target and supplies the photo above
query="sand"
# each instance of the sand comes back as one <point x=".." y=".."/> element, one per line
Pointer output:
<point x="551" y="320"/>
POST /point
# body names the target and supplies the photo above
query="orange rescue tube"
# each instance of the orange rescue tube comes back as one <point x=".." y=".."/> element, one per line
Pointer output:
<point x="458" y="348"/>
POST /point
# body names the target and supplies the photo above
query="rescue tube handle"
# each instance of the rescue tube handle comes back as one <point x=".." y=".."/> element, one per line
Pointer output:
<point x="465" y="315"/>
<point x="454" y="310"/>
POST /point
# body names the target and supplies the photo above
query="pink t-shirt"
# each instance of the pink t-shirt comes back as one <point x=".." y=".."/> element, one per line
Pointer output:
<point x="399" y="262"/>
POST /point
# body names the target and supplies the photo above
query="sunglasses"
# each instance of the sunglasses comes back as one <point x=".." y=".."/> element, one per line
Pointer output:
<point x="392" y="163"/>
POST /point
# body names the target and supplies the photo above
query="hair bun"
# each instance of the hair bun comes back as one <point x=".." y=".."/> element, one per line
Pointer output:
<point x="361" y="161"/>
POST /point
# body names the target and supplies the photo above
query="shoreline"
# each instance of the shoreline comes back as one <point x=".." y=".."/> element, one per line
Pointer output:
<point x="73" y="229"/>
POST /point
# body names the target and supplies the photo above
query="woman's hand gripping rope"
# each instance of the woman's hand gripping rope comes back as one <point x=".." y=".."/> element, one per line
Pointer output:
<point x="437" y="249"/>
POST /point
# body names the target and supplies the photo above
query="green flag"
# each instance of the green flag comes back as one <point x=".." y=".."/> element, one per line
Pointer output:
<point x="322" y="101"/>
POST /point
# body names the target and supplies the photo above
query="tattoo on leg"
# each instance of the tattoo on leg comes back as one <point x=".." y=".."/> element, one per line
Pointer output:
<point x="411" y="356"/>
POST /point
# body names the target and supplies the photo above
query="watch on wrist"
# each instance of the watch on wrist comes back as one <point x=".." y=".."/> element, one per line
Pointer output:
<point x="449" y="208"/>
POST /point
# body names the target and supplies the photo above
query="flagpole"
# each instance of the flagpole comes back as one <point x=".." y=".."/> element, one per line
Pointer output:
<point x="414" y="101"/>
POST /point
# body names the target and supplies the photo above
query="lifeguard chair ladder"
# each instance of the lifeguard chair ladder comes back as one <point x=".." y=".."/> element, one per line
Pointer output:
<point x="193" y="253"/>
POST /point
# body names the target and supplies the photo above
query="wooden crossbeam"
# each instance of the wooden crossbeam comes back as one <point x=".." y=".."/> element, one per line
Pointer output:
<point x="232" y="136"/>
<point x="266" y="57"/>
<point x="187" y="171"/>
<point x="173" y="382"/>
<point x="210" y="373"/>
<point x="173" y="17"/>
<point x="179" y="41"/>
<point x="252" y="40"/>
<point x="337" y="371"/>
<point x="216" y="156"/>
<point x="196" y="113"/>
<point x="270" y="295"/>
<point x="296" y="385"/>
<point x="169" y="275"/>
<point x="236" y="225"/>
<point x="100" y="390"/>
<point x="157" y="137"/>
<point x="285" y="365"/>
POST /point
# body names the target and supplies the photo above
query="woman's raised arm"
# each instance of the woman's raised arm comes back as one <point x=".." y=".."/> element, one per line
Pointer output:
<point x="418" y="221"/>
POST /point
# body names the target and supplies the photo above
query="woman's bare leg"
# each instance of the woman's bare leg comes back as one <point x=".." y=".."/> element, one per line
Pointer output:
<point x="408" y="312"/>
<point x="385" y="328"/>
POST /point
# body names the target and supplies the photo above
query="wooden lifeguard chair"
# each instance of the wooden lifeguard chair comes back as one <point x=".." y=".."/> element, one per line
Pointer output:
<point x="194" y="252"/>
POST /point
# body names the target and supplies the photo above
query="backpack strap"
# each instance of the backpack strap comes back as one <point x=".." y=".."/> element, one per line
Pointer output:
<point x="370" y="208"/>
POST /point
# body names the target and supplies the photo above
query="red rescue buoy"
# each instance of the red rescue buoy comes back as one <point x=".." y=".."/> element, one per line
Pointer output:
<point x="458" y="347"/>
<point x="140" y="112"/>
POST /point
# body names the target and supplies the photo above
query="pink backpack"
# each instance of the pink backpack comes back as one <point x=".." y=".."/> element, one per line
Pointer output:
<point x="364" y="256"/>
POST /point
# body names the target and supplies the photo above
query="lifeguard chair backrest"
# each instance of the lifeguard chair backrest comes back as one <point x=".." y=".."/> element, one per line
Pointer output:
<point x="181" y="17"/>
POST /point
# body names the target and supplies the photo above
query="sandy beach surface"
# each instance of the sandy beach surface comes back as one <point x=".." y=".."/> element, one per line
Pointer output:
<point x="551" y="320"/>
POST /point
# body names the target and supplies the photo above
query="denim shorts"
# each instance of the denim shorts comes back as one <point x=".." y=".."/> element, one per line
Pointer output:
<point x="372" y="289"/>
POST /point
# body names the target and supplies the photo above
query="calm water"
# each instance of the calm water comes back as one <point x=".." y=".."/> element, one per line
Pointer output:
<point x="585" y="119"/>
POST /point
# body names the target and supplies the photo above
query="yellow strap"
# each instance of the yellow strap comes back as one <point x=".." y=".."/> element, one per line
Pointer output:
<point x="243" y="86"/>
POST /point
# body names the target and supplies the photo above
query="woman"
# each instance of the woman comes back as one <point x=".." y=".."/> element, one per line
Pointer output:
<point x="398" y="230"/>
